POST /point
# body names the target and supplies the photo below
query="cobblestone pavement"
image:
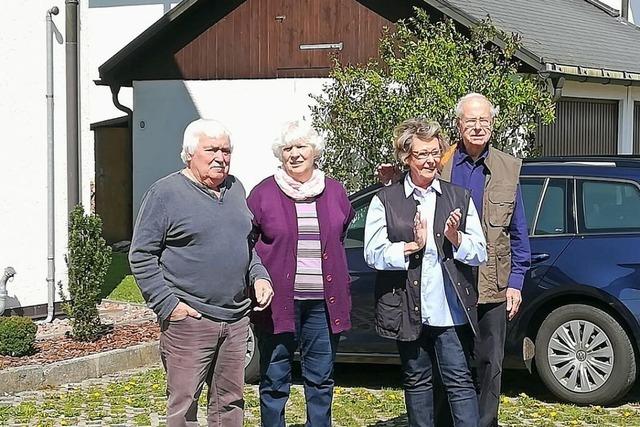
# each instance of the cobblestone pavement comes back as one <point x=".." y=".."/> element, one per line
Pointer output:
<point x="367" y="396"/>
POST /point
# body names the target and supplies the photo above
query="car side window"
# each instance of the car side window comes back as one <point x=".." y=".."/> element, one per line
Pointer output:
<point x="531" y="189"/>
<point x="553" y="211"/>
<point x="355" y="232"/>
<point x="608" y="206"/>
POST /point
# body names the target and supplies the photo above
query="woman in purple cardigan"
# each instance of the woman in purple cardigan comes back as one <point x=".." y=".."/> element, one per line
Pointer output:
<point x="300" y="219"/>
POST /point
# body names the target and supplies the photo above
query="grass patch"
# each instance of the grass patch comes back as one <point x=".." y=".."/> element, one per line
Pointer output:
<point x="119" y="285"/>
<point x="142" y="420"/>
<point x="141" y="396"/>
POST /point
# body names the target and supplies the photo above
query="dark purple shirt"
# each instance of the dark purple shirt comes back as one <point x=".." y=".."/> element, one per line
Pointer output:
<point x="469" y="174"/>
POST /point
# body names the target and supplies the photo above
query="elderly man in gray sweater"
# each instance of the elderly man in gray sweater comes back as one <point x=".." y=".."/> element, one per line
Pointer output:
<point x="194" y="262"/>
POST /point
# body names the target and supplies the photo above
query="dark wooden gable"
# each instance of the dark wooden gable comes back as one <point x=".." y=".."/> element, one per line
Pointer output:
<point x="245" y="39"/>
<point x="283" y="38"/>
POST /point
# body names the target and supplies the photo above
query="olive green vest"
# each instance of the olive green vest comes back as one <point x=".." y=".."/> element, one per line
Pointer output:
<point x="498" y="203"/>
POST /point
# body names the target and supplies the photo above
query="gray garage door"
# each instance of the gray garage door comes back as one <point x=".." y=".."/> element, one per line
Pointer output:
<point x="582" y="127"/>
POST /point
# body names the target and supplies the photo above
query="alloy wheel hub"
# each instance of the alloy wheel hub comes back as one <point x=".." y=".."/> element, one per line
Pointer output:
<point x="581" y="356"/>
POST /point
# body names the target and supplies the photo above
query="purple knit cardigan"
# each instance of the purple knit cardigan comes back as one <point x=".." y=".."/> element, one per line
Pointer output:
<point x="276" y="224"/>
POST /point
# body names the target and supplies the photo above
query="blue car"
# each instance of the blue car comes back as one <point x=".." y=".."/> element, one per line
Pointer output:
<point x="578" y="325"/>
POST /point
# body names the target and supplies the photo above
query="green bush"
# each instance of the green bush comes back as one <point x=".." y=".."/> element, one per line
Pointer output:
<point x="88" y="260"/>
<point x="17" y="335"/>
<point x="424" y="68"/>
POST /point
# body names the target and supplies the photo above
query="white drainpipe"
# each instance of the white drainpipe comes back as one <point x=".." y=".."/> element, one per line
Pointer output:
<point x="51" y="269"/>
<point x="9" y="272"/>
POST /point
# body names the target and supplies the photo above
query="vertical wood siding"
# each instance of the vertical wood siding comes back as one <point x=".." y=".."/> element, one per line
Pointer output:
<point x="582" y="127"/>
<point x="250" y="43"/>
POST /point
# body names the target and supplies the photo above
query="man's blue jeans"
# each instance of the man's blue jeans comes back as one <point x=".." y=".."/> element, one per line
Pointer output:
<point x="447" y="349"/>
<point x="317" y="354"/>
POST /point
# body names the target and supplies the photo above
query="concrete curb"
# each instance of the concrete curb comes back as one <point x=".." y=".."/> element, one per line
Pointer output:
<point x="33" y="377"/>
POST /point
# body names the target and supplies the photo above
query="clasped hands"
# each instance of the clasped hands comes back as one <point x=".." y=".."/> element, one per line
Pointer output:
<point x="451" y="232"/>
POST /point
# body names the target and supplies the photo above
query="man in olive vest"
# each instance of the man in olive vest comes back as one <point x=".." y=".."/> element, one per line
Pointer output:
<point x="492" y="177"/>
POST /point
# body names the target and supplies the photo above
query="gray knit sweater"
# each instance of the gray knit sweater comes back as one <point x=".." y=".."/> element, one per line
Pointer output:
<point x="190" y="246"/>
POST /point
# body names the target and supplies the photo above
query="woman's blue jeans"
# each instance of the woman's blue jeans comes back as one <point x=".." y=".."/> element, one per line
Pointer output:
<point x="447" y="349"/>
<point x="317" y="353"/>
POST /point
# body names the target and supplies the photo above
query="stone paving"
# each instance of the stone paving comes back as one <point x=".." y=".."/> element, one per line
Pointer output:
<point x="137" y="398"/>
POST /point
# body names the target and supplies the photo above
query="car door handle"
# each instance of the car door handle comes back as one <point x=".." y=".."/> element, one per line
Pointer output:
<point x="536" y="258"/>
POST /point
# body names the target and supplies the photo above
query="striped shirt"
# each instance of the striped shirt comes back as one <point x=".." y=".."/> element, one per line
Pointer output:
<point x="308" y="281"/>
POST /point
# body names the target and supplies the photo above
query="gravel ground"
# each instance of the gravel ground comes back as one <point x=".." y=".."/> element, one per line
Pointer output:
<point x="111" y="313"/>
<point x="125" y="325"/>
<point x="55" y="349"/>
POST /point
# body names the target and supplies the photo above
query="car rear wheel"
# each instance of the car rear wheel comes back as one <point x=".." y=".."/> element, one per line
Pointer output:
<point x="252" y="359"/>
<point x="584" y="356"/>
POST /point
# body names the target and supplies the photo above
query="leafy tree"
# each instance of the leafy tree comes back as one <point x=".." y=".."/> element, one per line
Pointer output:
<point x="88" y="259"/>
<point x="424" y="68"/>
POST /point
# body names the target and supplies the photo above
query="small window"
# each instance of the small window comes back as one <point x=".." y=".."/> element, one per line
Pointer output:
<point x="553" y="212"/>
<point x="355" y="232"/>
<point x="609" y="206"/>
<point x="531" y="189"/>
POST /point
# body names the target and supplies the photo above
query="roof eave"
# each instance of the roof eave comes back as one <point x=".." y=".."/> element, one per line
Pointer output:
<point x="118" y="122"/>
<point x="113" y="62"/>
<point x="595" y="75"/>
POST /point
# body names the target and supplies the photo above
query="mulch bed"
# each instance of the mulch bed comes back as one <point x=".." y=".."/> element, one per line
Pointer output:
<point x="63" y="347"/>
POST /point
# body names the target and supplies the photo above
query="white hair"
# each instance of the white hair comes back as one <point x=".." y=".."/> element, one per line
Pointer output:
<point x="298" y="131"/>
<point x="196" y="130"/>
<point x="473" y="95"/>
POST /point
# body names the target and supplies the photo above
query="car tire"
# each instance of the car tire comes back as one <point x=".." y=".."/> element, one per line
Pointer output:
<point x="584" y="356"/>
<point x="252" y="358"/>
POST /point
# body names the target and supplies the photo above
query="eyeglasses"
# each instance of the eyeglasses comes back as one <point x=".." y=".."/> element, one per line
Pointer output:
<point x="471" y="123"/>
<point x="424" y="155"/>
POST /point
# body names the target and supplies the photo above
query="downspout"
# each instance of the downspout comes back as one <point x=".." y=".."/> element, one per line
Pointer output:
<point x="9" y="272"/>
<point x="115" y="91"/>
<point x="73" y="149"/>
<point x="51" y="266"/>
<point x="554" y="84"/>
<point x="624" y="10"/>
<point x="558" y="84"/>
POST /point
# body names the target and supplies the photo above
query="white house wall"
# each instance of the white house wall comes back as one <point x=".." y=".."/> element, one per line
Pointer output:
<point x="625" y="95"/>
<point x="23" y="211"/>
<point x="106" y="27"/>
<point x="253" y="111"/>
